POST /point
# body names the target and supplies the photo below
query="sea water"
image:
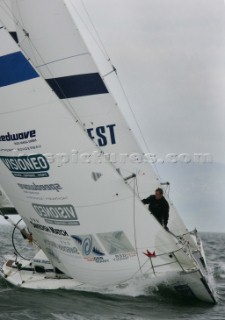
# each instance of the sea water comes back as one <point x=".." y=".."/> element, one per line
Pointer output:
<point x="134" y="302"/>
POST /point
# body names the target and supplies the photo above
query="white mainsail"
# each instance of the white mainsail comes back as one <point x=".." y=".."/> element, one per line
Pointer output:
<point x="94" y="229"/>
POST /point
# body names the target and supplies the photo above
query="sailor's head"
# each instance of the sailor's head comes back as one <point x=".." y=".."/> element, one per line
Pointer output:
<point x="158" y="193"/>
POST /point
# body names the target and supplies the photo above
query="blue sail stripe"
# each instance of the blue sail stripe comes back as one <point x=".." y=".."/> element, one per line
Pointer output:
<point x="15" y="68"/>
<point x="78" y="85"/>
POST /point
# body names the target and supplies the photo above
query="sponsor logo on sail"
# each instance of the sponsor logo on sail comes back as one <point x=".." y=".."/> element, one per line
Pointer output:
<point x="41" y="227"/>
<point x="40" y="187"/>
<point x="103" y="135"/>
<point x="18" y="136"/>
<point x="57" y="214"/>
<point x="90" y="248"/>
<point x="33" y="166"/>
<point x="66" y="248"/>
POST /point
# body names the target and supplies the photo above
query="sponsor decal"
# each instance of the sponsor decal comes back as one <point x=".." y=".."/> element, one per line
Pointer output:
<point x="150" y="254"/>
<point x="65" y="248"/>
<point x="56" y="198"/>
<point x="57" y="214"/>
<point x="103" y="135"/>
<point x="18" y="136"/>
<point x="39" y="198"/>
<point x="40" y="187"/>
<point x="89" y="248"/>
<point x="123" y="256"/>
<point x="41" y="227"/>
<point x="100" y="260"/>
<point x="35" y="261"/>
<point x="33" y="166"/>
<point x="96" y="175"/>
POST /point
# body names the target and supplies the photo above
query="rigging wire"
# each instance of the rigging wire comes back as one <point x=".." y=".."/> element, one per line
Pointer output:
<point x="45" y="64"/>
<point x="118" y="78"/>
<point x="101" y="47"/>
<point x="34" y="49"/>
<point x="134" y="224"/>
<point x="26" y="35"/>
<point x="136" y="181"/>
<point x="104" y="51"/>
<point x="95" y="30"/>
<point x="16" y="251"/>
<point x="7" y="13"/>
<point x="69" y="106"/>
<point x="95" y="37"/>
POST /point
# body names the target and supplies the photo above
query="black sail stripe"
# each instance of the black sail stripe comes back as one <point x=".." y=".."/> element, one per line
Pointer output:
<point x="78" y="85"/>
<point x="14" y="36"/>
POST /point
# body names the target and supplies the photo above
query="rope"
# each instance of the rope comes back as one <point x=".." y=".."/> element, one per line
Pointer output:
<point x="134" y="224"/>
<point x="16" y="251"/>
<point x="157" y="266"/>
<point x="103" y="50"/>
<point x="9" y="13"/>
<point x="136" y="181"/>
<point x="33" y="48"/>
<point x="105" y="53"/>
<point x="95" y="30"/>
<point x="68" y="106"/>
<point x="96" y="40"/>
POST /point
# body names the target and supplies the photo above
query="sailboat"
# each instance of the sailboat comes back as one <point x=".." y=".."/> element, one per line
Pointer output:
<point x="73" y="169"/>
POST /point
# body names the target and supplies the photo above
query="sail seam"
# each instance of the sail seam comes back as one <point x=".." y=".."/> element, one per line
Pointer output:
<point x="84" y="206"/>
<point x="63" y="59"/>
<point x="134" y="222"/>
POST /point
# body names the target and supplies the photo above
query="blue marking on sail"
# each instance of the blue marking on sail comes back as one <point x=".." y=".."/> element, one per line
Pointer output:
<point x="78" y="85"/>
<point x="15" y="68"/>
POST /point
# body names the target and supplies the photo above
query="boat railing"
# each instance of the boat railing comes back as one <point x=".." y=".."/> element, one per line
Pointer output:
<point x="172" y="254"/>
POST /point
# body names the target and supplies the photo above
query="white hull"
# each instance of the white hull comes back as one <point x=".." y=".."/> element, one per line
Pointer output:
<point x="191" y="285"/>
<point x="28" y="278"/>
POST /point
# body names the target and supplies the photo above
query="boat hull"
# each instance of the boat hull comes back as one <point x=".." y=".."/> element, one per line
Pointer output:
<point x="22" y="274"/>
<point x="193" y="284"/>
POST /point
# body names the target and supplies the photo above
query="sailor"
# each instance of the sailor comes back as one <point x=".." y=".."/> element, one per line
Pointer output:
<point x="159" y="207"/>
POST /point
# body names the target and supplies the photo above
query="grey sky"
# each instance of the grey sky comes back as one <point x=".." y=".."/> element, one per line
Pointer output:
<point x="170" y="56"/>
